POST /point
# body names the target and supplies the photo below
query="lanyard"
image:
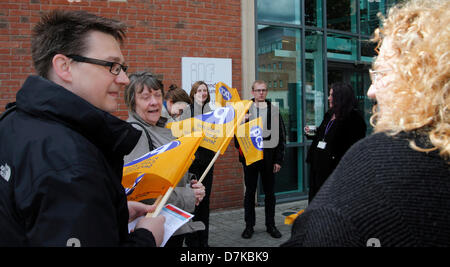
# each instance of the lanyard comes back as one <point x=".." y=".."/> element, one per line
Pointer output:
<point x="330" y="123"/>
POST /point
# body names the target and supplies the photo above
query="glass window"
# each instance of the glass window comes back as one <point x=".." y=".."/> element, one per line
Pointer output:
<point x="368" y="50"/>
<point x="286" y="180"/>
<point x="285" y="83"/>
<point x="341" y="47"/>
<point x="369" y="10"/>
<point x="313" y="13"/>
<point x="341" y="15"/>
<point x="314" y="89"/>
<point x="284" y="11"/>
<point x="369" y="18"/>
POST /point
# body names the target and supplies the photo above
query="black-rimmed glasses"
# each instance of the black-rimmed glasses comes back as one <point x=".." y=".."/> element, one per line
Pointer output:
<point x="114" y="67"/>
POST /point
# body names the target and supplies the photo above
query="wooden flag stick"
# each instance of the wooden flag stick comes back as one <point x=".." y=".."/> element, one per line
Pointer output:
<point x="210" y="164"/>
<point x="220" y="149"/>
<point x="161" y="204"/>
<point x="158" y="199"/>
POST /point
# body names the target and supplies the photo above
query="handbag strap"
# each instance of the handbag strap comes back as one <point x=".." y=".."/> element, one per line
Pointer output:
<point x="149" y="139"/>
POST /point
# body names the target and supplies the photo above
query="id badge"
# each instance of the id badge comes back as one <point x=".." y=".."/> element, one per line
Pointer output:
<point x="322" y="144"/>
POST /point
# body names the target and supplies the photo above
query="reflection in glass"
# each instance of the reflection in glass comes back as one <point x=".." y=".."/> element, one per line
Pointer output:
<point x="341" y="15"/>
<point x="286" y="179"/>
<point x="284" y="11"/>
<point x="368" y="50"/>
<point x="314" y="93"/>
<point x="369" y="14"/>
<point x="313" y="13"/>
<point x="366" y="104"/>
<point x="341" y="47"/>
<point x="284" y="83"/>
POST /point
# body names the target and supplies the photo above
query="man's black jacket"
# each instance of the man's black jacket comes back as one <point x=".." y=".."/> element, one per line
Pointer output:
<point x="274" y="154"/>
<point x="61" y="160"/>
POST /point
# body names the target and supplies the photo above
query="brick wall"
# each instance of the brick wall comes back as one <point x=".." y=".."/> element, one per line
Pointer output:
<point x="161" y="32"/>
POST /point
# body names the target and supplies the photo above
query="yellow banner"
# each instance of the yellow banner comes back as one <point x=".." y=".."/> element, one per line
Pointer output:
<point x="152" y="174"/>
<point x="218" y="126"/>
<point x="249" y="136"/>
<point x="225" y="94"/>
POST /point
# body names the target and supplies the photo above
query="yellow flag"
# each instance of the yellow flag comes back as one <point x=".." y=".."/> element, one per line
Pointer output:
<point x="225" y="94"/>
<point x="218" y="126"/>
<point x="291" y="218"/>
<point x="152" y="174"/>
<point x="249" y="136"/>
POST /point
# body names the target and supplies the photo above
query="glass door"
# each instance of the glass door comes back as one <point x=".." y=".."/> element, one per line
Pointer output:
<point x="358" y="77"/>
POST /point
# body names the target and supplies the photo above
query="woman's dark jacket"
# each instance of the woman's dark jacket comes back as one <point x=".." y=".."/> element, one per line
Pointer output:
<point x="65" y="159"/>
<point x="342" y="134"/>
<point x="381" y="193"/>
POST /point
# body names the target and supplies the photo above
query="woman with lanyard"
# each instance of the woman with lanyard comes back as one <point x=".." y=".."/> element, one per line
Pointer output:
<point x="341" y="127"/>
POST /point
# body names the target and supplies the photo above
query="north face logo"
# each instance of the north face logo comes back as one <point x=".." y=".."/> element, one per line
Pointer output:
<point x="5" y="172"/>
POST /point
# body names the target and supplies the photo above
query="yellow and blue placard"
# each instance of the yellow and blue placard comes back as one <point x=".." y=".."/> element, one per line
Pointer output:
<point x="250" y="138"/>
<point x="225" y="94"/>
<point x="218" y="126"/>
<point x="152" y="174"/>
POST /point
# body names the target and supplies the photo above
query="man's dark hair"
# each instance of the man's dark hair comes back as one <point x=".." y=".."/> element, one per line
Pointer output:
<point x="344" y="100"/>
<point x="64" y="32"/>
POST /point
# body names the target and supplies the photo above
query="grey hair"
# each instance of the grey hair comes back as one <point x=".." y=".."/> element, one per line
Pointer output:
<point x="136" y="86"/>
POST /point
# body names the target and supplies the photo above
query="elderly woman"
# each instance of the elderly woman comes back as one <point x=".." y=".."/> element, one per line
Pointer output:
<point x="144" y="98"/>
<point x="393" y="187"/>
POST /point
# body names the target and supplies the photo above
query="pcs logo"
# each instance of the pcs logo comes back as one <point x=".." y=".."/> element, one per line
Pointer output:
<point x="225" y="93"/>
<point x="256" y="137"/>
<point x="219" y="116"/>
<point x="157" y="151"/>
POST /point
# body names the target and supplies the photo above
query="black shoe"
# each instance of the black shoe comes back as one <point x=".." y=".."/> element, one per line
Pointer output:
<point x="273" y="231"/>
<point x="248" y="232"/>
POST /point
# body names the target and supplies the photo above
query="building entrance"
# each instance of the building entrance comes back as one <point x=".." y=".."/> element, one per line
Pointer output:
<point x="358" y="77"/>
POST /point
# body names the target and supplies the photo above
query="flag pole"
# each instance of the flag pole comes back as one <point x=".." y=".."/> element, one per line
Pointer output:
<point x="210" y="164"/>
<point x="161" y="204"/>
<point x="220" y="149"/>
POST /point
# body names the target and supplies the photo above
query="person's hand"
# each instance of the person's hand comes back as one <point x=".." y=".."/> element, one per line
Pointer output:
<point x="138" y="209"/>
<point x="199" y="191"/>
<point x="154" y="225"/>
<point x="276" y="168"/>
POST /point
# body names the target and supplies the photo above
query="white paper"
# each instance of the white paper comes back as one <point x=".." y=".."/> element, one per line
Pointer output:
<point x="175" y="218"/>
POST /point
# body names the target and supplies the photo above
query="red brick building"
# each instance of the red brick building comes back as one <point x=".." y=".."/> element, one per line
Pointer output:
<point x="160" y="33"/>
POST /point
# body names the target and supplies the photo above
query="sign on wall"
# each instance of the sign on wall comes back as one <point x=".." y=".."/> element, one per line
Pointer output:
<point x="209" y="70"/>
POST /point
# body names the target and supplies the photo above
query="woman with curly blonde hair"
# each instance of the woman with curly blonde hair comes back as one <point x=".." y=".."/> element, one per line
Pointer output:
<point x="393" y="187"/>
<point x="413" y="72"/>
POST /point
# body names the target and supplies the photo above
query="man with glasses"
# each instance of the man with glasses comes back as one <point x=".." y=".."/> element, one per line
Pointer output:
<point x="274" y="136"/>
<point x="61" y="151"/>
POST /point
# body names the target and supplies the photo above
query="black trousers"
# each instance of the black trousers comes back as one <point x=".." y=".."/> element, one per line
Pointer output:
<point x="201" y="213"/>
<point x="251" y="173"/>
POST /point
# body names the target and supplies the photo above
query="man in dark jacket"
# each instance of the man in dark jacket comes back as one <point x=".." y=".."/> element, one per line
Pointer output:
<point x="274" y="136"/>
<point x="61" y="152"/>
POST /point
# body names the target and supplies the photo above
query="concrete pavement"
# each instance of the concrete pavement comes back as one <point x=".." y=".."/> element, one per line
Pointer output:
<point x="225" y="227"/>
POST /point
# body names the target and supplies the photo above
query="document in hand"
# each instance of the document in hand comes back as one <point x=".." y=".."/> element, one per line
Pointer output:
<point x="175" y="218"/>
<point x="152" y="174"/>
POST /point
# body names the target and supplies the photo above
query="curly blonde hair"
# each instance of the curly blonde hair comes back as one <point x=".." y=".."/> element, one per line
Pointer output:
<point x="418" y="96"/>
